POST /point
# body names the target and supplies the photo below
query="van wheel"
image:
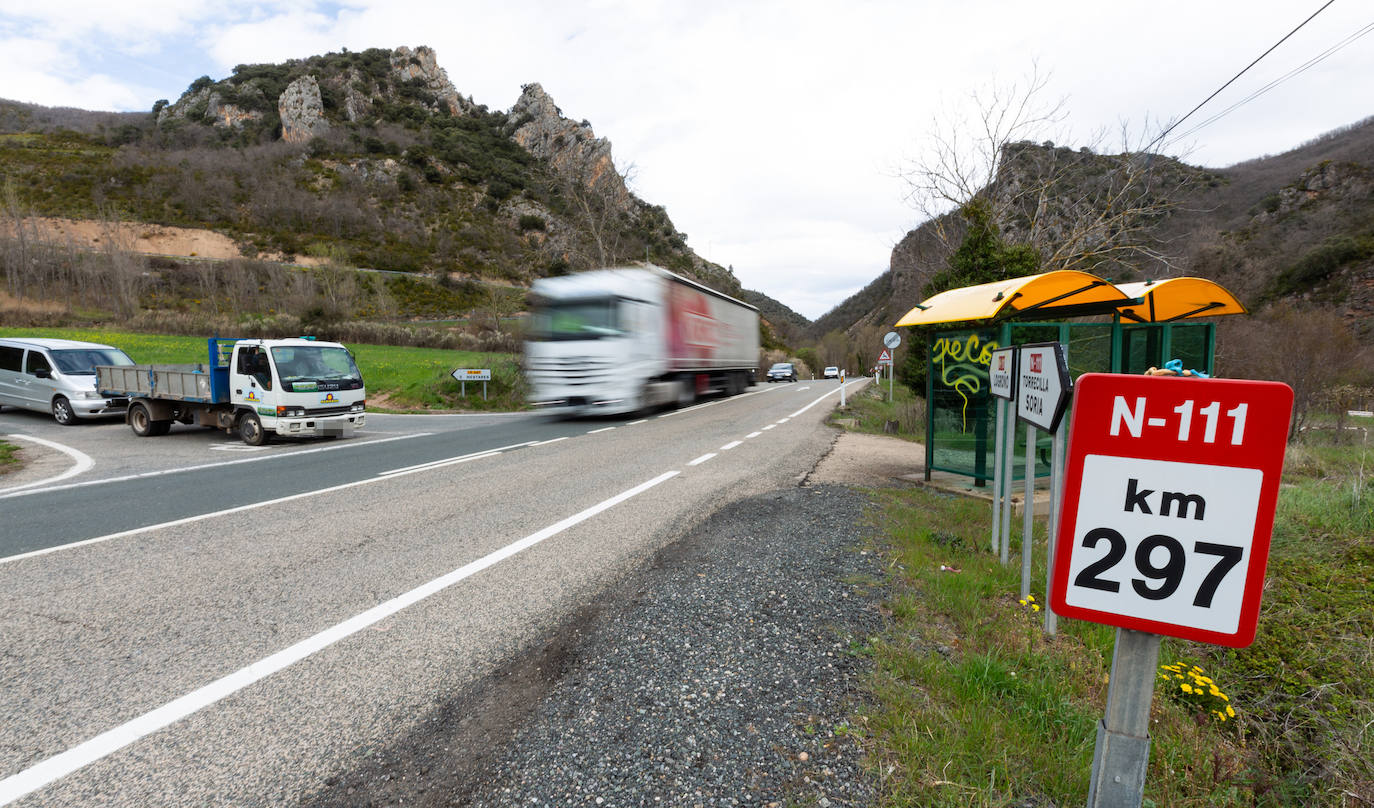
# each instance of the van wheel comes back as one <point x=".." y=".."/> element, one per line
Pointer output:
<point x="62" y="411"/>
<point x="251" y="431"/>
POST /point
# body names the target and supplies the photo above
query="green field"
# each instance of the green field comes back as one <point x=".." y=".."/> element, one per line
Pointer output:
<point x="397" y="379"/>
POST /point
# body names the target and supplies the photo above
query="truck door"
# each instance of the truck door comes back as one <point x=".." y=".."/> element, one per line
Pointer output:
<point x="251" y="380"/>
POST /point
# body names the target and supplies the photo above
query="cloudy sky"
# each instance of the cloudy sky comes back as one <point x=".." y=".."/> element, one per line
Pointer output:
<point x="773" y="131"/>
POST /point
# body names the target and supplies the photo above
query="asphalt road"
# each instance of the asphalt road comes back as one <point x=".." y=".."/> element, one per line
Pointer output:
<point x="188" y="624"/>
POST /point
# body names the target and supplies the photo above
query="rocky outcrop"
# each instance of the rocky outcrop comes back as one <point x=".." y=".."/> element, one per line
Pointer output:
<point x="302" y="111"/>
<point x="572" y="148"/>
<point x="421" y="68"/>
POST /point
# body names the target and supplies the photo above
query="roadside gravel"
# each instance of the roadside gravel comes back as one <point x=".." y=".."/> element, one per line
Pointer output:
<point x="724" y="673"/>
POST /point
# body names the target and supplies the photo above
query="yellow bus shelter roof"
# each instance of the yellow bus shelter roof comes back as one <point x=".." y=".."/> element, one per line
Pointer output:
<point x="1178" y="299"/>
<point x="1049" y="294"/>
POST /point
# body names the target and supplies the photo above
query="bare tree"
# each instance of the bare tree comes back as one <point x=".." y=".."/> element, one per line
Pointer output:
<point x="1076" y="209"/>
<point x="602" y="201"/>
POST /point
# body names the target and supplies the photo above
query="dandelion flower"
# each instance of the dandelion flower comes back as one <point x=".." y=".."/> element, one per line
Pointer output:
<point x="1187" y="688"/>
<point x="1231" y="711"/>
<point x="1035" y="607"/>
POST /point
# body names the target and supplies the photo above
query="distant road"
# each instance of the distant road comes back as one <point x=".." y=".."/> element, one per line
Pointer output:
<point x="233" y="632"/>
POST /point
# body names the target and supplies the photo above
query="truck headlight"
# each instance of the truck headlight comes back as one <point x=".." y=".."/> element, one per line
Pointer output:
<point x="358" y="406"/>
<point x="290" y="412"/>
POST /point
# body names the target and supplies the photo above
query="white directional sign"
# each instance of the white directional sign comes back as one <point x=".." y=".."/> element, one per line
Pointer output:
<point x="1002" y="373"/>
<point x="1169" y="504"/>
<point x="1043" y="385"/>
<point x="472" y="375"/>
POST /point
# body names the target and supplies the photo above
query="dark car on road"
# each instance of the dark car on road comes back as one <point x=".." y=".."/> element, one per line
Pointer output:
<point x="782" y="372"/>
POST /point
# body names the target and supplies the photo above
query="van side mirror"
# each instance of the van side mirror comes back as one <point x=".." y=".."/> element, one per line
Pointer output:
<point x="43" y="373"/>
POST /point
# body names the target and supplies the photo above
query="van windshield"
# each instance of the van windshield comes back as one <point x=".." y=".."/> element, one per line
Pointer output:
<point x="576" y="319"/>
<point x="82" y="361"/>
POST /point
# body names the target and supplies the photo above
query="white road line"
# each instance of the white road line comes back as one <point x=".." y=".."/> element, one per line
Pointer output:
<point x="602" y="429"/>
<point x="799" y="389"/>
<point x="547" y="442"/>
<point x="770" y="426"/>
<point x="13" y="492"/>
<point x="752" y="435"/>
<point x="732" y="444"/>
<point x="438" y="464"/>
<point x="640" y="421"/>
<point x="111" y="741"/>
<point x="819" y="400"/>
<point x="702" y="459"/>
<point x="83" y="461"/>
<point x="783" y="420"/>
<point x="391" y="475"/>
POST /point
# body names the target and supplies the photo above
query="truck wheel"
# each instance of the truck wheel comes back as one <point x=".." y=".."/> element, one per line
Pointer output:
<point x="686" y="392"/>
<point x="142" y="423"/>
<point x="62" y="411"/>
<point x="251" y="431"/>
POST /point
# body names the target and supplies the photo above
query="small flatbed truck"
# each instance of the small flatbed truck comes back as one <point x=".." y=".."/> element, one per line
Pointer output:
<point x="252" y="387"/>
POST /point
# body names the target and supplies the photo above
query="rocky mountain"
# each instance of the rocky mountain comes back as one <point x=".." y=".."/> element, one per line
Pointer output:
<point x="366" y="159"/>
<point x="1295" y="227"/>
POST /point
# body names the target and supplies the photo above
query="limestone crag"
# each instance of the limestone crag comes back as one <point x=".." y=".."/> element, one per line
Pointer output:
<point x="302" y="111"/>
<point x="421" y="66"/>
<point x="572" y="148"/>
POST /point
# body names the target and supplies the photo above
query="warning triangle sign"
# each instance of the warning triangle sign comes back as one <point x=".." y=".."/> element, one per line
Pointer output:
<point x="885" y="356"/>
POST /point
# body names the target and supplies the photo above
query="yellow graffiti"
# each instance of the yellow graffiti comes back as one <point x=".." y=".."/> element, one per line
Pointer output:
<point x="963" y="365"/>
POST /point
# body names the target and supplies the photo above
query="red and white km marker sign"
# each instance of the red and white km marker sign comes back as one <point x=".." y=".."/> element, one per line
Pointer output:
<point x="1169" y="504"/>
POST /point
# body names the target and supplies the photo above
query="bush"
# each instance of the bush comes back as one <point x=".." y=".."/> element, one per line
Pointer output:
<point x="530" y="222"/>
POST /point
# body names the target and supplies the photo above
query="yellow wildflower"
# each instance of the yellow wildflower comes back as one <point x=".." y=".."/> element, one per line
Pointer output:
<point x="1187" y="688"/>
<point x="1231" y="711"/>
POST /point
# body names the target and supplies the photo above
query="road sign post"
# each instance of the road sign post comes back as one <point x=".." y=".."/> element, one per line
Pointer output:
<point x="1002" y="385"/>
<point x="1168" y="509"/>
<point x="891" y="340"/>
<point x="1042" y="389"/>
<point x="465" y="375"/>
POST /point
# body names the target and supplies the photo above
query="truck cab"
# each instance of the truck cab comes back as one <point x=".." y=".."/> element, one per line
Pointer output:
<point x="293" y="388"/>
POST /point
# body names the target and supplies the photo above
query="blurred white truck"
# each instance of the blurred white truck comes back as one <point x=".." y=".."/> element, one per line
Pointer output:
<point x="628" y="339"/>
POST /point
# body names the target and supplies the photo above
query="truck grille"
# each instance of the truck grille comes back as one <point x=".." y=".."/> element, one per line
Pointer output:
<point x="322" y="411"/>
<point x="572" y="370"/>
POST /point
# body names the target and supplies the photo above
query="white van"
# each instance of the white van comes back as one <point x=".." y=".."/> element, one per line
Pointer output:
<point x="57" y="376"/>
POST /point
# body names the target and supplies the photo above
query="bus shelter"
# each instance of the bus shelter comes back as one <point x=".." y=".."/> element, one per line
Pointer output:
<point x="1105" y="328"/>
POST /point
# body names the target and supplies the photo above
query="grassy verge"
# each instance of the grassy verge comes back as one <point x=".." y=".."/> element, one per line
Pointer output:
<point x="8" y="461"/>
<point x="976" y="707"/>
<point x="871" y="412"/>
<point x="402" y="379"/>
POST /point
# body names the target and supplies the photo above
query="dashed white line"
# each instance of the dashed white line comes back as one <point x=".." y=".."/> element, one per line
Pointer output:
<point x="602" y="429"/>
<point x="752" y="435"/>
<point x="640" y="421"/>
<point x="702" y="459"/>
<point x="770" y="426"/>
<point x="111" y="741"/>
<point x="732" y="444"/>
<point x="547" y="442"/>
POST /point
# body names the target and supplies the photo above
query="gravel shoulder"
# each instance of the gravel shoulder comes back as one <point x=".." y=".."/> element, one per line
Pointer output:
<point x="726" y="671"/>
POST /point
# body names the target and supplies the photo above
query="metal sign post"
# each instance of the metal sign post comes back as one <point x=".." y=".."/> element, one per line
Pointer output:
<point x="891" y="340"/>
<point x="465" y="375"/>
<point x="1168" y="509"/>
<point x="1002" y="385"/>
<point x="1043" y="387"/>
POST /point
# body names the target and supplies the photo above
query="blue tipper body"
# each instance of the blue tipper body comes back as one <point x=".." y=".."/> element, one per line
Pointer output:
<point x="221" y="354"/>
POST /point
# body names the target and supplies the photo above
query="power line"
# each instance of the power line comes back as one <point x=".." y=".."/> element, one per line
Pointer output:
<point x="1303" y="68"/>
<point x="1163" y="134"/>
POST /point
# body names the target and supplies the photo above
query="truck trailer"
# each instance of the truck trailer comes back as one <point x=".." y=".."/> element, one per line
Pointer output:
<point x="252" y="387"/>
<point x="628" y="339"/>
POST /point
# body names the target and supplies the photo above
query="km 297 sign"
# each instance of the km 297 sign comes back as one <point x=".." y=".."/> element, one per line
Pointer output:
<point x="1169" y="504"/>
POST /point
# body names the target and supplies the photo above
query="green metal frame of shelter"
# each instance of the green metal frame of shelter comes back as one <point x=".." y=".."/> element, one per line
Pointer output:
<point x="964" y="407"/>
<point x="1147" y="329"/>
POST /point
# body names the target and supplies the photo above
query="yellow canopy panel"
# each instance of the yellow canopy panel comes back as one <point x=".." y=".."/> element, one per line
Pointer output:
<point x="1049" y="293"/>
<point x="1178" y="299"/>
